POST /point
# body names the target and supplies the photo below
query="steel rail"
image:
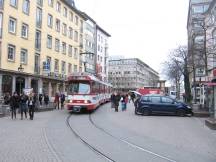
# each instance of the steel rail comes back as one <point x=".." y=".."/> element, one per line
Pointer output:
<point x="86" y="143"/>
<point x="130" y="143"/>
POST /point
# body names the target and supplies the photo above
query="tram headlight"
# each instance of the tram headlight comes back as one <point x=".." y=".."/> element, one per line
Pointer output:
<point x="87" y="101"/>
<point x="71" y="101"/>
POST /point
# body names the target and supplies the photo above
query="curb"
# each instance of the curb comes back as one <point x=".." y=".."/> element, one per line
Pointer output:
<point x="2" y="115"/>
<point x="202" y="114"/>
<point x="211" y="123"/>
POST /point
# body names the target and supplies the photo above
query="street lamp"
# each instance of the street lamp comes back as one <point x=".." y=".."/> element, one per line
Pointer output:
<point x="20" y="69"/>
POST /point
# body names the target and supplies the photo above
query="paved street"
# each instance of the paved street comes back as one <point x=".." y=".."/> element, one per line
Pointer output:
<point x="121" y="136"/>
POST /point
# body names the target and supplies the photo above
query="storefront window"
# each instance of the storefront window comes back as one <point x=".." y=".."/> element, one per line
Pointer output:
<point x="7" y="84"/>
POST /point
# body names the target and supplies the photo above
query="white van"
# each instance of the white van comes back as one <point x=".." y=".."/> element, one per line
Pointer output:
<point x="172" y="94"/>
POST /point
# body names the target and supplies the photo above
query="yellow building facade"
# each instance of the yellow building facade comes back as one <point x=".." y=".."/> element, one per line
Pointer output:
<point x="40" y="42"/>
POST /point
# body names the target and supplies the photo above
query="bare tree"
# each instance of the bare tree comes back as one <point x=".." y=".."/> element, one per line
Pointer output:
<point x="177" y="67"/>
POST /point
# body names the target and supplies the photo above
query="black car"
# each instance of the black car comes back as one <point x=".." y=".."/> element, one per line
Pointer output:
<point x="151" y="104"/>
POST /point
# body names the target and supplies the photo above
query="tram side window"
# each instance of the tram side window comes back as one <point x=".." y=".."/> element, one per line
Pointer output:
<point x="95" y="87"/>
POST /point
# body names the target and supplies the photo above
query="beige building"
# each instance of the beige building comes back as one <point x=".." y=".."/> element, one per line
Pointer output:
<point x="40" y="42"/>
<point x="131" y="74"/>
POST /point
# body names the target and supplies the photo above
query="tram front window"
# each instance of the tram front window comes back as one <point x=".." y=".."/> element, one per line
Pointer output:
<point x="79" y="88"/>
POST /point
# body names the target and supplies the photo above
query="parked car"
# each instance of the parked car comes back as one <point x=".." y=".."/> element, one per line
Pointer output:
<point x="151" y="104"/>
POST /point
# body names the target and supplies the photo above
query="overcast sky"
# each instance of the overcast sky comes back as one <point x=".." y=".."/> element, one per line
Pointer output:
<point x="145" y="29"/>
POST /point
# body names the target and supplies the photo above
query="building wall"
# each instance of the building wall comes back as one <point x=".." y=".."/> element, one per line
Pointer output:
<point x="11" y="67"/>
<point x="131" y="74"/>
<point x="102" y="53"/>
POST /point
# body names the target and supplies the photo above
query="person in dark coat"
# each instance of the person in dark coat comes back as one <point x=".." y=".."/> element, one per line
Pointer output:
<point x="116" y="101"/>
<point x="46" y="99"/>
<point x="62" y="97"/>
<point x="133" y="96"/>
<point x="14" y="104"/>
<point x="112" y="98"/>
<point x="40" y="99"/>
<point x="31" y="105"/>
<point x="7" y="98"/>
<point x="23" y="105"/>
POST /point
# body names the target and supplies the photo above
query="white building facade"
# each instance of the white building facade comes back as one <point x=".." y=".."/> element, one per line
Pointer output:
<point x="102" y="53"/>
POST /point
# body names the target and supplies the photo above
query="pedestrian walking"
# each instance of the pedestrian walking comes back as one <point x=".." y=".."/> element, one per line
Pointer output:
<point x="133" y="96"/>
<point x="129" y="98"/>
<point x="56" y="101"/>
<point x="23" y="105"/>
<point x="40" y="99"/>
<point x="123" y="102"/>
<point x="112" y="98"/>
<point x="62" y="97"/>
<point x="31" y="105"/>
<point x="7" y="98"/>
<point x="14" y="104"/>
<point x="116" y="101"/>
<point x="46" y="99"/>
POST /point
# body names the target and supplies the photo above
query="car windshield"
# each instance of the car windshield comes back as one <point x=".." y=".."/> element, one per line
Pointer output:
<point x="79" y="88"/>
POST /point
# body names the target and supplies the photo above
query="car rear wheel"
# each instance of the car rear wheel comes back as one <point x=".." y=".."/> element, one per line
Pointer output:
<point x="181" y="112"/>
<point x="146" y="112"/>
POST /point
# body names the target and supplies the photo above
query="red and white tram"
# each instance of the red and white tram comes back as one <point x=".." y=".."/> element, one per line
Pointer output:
<point x="86" y="92"/>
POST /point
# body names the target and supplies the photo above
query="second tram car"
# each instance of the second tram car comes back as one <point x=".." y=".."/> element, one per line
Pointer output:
<point x="86" y="92"/>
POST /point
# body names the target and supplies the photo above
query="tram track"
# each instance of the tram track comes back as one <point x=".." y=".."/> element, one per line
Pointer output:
<point x="130" y="143"/>
<point x="94" y="149"/>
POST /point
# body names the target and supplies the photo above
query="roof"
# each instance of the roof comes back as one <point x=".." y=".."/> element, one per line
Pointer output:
<point x="102" y="30"/>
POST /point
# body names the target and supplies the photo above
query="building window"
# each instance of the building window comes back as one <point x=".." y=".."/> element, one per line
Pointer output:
<point x="70" y="50"/>
<point x="38" y="40"/>
<point x="40" y="2"/>
<point x="57" y="25"/>
<point x="70" y="33"/>
<point x="200" y="8"/>
<point x="76" y="20"/>
<point x="50" y="3"/>
<point x="56" y="65"/>
<point x="58" y="6"/>
<point x="64" y="29"/>
<point x="12" y="25"/>
<point x="81" y="26"/>
<point x="24" y="32"/>
<point x="75" y="68"/>
<point x="1" y="4"/>
<point x="65" y="12"/>
<point x="49" y="41"/>
<point x="11" y="52"/>
<point x="37" y="64"/>
<point x="76" y="36"/>
<point x="38" y="17"/>
<point x="69" y="68"/>
<point x="49" y="20"/>
<point x="57" y="45"/>
<point x="63" y="67"/>
<point x="48" y="60"/>
<point x="26" y="5"/>
<point x="81" y="40"/>
<point x="63" y="47"/>
<point x="23" y="56"/>
<point x="75" y="53"/>
<point x="13" y="3"/>
<point x="71" y="16"/>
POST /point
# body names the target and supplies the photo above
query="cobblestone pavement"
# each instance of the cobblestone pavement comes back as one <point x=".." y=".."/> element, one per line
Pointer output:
<point x="180" y="138"/>
<point x="48" y="139"/>
<point x="25" y="140"/>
